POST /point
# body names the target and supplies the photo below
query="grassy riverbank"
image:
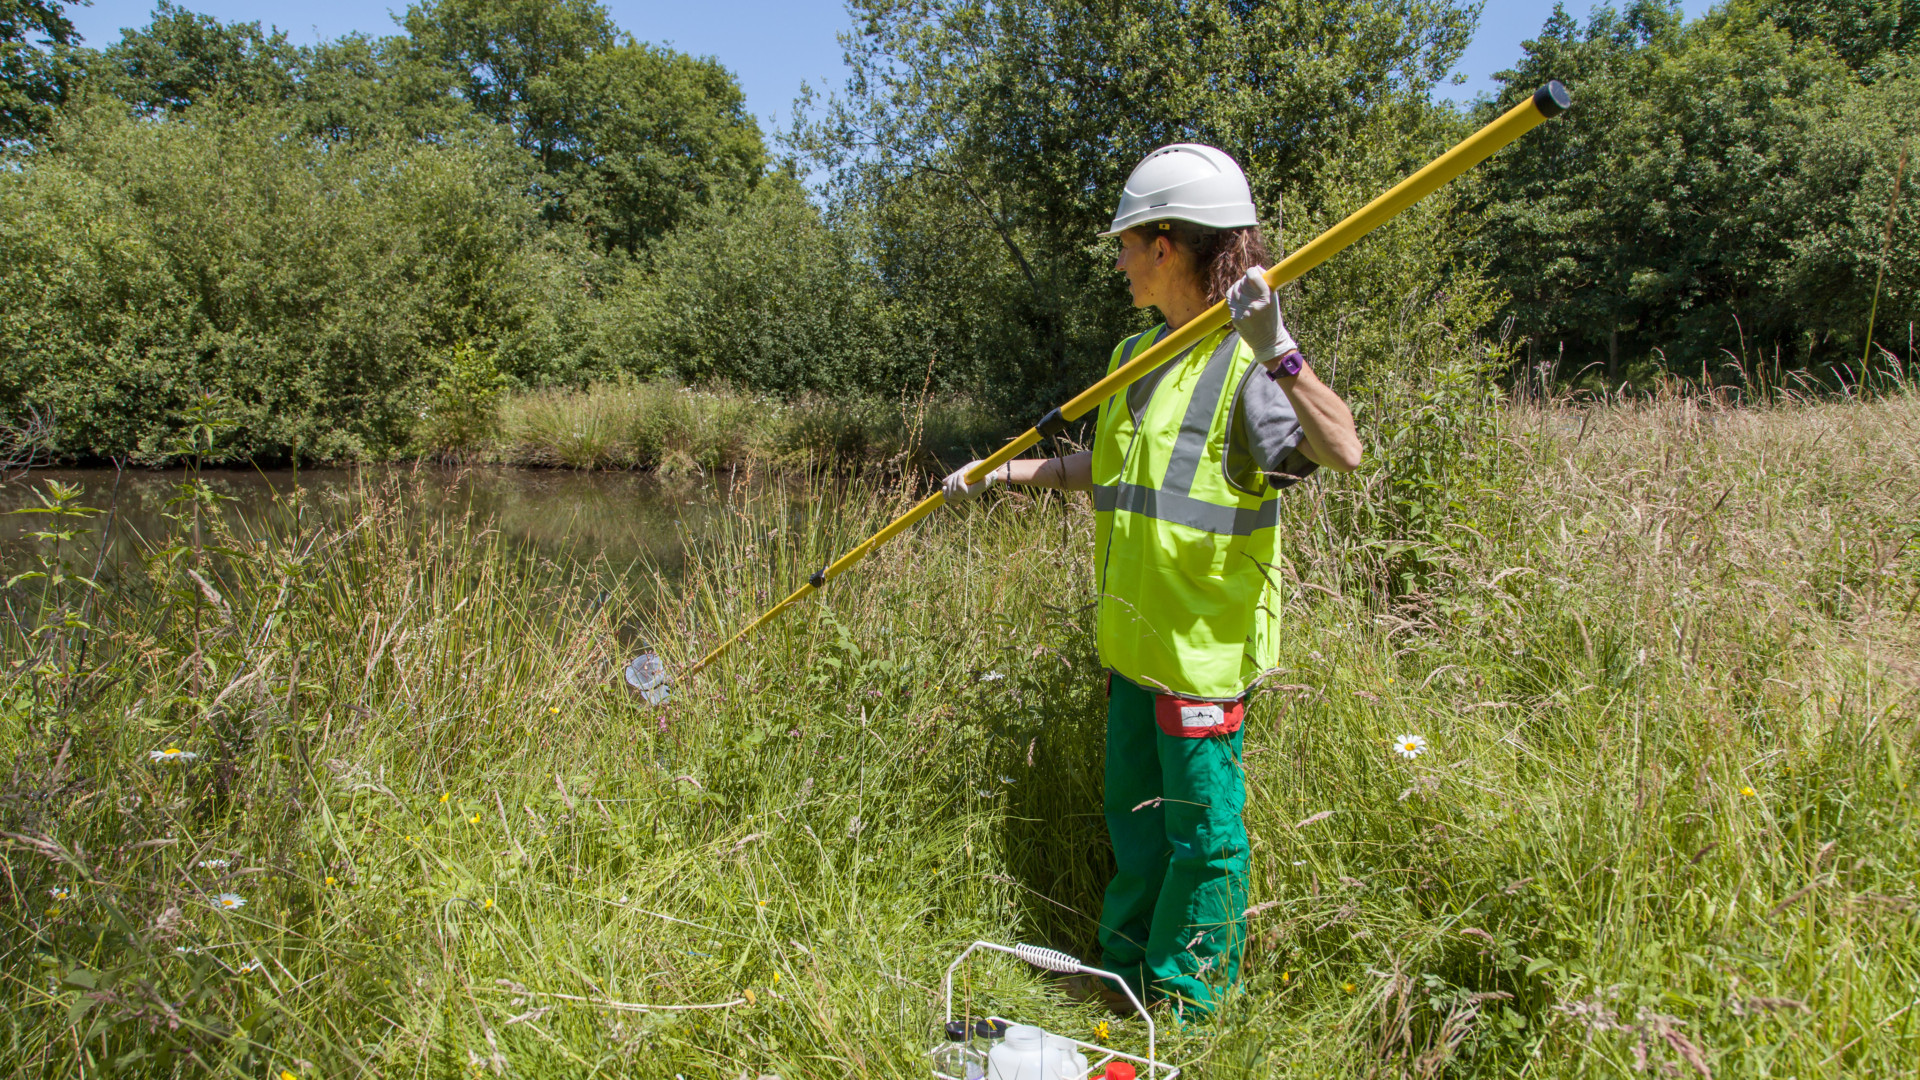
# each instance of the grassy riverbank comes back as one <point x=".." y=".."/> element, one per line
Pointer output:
<point x="1666" y="668"/>
<point x="681" y="431"/>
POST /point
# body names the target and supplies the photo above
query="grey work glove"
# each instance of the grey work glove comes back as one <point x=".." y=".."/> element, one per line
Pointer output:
<point x="955" y="486"/>
<point x="1256" y="316"/>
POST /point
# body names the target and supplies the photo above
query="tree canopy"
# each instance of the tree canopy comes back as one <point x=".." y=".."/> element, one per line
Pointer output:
<point x="34" y="73"/>
<point x="1691" y="207"/>
<point x="631" y="137"/>
<point x="522" y="190"/>
<point x="983" y="145"/>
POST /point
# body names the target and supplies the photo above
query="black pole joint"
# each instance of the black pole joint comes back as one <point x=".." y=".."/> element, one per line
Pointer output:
<point x="1051" y="424"/>
<point x="819" y="579"/>
<point x="1552" y="99"/>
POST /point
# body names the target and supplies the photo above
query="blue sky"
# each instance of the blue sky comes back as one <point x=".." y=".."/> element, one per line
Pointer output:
<point x="771" y="45"/>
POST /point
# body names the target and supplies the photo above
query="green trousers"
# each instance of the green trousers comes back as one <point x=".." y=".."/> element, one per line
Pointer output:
<point x="1172" y="921"/>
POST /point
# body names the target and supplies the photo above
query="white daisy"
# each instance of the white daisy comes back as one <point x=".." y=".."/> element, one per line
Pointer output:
<point x="1410" y="746"/>
<point x="173" y="753"/>
<point x="61" y="893"/>
<point x="230" y="901"/>
<point x="248" y="967"/>
<point x="214" y="864"/>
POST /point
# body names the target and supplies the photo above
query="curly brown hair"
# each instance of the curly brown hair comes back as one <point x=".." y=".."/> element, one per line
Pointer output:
<point x="1220" y="256"/>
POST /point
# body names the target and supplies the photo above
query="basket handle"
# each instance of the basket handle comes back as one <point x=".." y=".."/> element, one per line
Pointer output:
<point x="1054" y="960"/>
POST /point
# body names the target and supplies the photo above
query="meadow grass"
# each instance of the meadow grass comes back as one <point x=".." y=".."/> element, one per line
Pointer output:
<point x="1665" y="824"/>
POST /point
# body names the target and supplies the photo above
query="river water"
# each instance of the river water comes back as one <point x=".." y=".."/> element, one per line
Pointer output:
<point x="632" y="519"/>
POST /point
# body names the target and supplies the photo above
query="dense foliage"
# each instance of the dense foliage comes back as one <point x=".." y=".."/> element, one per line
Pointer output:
<point x="35" y="36"/>
<point x="305" y="293"/>
<point x="1723" y="190"/>
<point x="983" y="144"/>
<point x="322" y="246"/>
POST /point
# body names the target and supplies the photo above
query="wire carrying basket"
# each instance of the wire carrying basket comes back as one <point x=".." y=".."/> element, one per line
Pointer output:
<point x="1098" y="1057"/>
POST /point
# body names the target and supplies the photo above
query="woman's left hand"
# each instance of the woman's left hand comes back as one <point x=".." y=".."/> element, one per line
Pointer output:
<point x="958" y="491"/>
<point x="1256" y="316"/>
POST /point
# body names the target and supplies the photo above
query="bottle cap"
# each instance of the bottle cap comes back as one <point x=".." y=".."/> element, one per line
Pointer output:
<point x="990" y="1029"/>
<point x="956" y="1031"/>
<point x="1119" y="1070"/>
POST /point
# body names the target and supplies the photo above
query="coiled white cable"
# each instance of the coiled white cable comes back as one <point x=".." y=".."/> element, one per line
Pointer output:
<point x="1050" y="959"/>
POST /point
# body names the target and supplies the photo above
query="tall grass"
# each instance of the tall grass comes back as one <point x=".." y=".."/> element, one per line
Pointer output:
<point x="1665" y="668"/>
<point x="682" y="431"/>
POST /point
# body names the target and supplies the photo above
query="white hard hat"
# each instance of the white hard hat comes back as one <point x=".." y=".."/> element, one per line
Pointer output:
<point x="1186" y="182"/>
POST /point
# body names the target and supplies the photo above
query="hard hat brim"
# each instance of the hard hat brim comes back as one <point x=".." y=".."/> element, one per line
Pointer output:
<point x="1211" y="218"/>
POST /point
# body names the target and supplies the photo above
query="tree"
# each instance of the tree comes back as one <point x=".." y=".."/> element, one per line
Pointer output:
<point x="1654" y="218"/>
<point x="498" y="49"/>
<point x="1865" y="33"/>
<point x="361" y="87"/>
<point x="984" y="143"/>
<point x="1849" y="237"/>
<point x="629" y="136"/>
<point x="35" y="72"/>
<point x="642" y="138"/>
<point x="182" y="58"/>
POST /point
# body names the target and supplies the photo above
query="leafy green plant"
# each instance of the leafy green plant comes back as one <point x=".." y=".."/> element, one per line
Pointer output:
<point x="464" y="411"/>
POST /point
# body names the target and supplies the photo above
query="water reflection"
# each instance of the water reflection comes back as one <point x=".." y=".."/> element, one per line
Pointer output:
<point x="632" y="520"/>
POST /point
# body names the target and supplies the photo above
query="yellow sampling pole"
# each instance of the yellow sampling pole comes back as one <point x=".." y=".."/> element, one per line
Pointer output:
<point x="1547" y="102"/>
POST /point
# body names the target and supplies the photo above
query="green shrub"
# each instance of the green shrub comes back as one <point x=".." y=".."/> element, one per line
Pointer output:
<point x="766" y="297"/>
<point x="307" y="286"/>
<point x="464" y="410"/>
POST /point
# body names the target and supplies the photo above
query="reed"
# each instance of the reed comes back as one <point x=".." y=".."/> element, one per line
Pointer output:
<point x="1665" y="672"/>
<point x="682" y="431"/>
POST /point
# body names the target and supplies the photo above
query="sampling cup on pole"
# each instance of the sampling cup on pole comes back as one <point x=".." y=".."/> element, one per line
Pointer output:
<point x="1547" y="102"/>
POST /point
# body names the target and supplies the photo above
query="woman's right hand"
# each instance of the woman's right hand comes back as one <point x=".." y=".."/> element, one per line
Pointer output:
<point x="1255" y="311"/>
<point x="957" y="490"/>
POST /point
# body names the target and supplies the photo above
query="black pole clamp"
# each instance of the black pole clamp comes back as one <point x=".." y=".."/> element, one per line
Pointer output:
<point x="819" y="579"/>
<point x="1051" y="424"/>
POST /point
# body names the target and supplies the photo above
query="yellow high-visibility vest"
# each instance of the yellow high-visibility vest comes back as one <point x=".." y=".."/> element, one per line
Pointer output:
<point x="1184" y="528"/>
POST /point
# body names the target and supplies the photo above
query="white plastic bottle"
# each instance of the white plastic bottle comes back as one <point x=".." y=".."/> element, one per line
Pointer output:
<point x="1064" y="1060"/>
<point x="1022" y="1055"/>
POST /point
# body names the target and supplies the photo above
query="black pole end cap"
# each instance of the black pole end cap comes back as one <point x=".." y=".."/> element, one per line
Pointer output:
<point x="1552" y="99"/>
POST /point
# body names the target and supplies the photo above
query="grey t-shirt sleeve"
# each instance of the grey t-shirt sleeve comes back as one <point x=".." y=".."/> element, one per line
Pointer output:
<point x="1271" y="432"/>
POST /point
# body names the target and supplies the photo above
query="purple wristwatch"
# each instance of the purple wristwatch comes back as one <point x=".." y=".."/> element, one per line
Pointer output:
<point x="1289" y="364"/>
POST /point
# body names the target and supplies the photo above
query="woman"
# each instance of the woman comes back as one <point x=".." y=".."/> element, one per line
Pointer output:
<point x="1185" y="470"/>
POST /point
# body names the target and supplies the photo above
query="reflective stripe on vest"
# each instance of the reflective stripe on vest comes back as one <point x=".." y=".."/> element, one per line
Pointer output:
<point x="1182" y="557"/>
